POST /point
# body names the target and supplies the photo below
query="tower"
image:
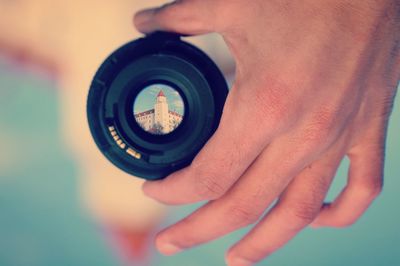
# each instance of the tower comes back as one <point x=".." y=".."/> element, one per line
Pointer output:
<point x="161" y="115"/>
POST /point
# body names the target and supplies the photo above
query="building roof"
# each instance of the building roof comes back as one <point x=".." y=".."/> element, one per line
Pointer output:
<point x="175" y="114"/>
<point x="145" y="113"/>
<point x="161" y="93"/>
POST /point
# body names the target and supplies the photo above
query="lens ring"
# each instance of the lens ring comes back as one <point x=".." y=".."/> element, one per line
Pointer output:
<point x="156" y="59"/>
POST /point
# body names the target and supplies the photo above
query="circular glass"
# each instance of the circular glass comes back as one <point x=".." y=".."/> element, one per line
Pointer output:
<point x="159" y="109"/>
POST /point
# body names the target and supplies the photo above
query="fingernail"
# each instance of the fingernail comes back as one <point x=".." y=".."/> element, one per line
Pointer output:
<point x="237" y="261"/>
<point x="168" y="248"/>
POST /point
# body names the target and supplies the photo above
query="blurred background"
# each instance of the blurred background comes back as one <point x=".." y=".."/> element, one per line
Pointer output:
<point x="62" y="203"/>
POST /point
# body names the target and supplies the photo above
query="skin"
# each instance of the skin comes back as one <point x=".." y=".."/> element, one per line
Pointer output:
<point x="315" y="82"/>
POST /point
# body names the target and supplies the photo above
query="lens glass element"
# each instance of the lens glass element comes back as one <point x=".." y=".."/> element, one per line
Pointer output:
<point x="158" y="109"/>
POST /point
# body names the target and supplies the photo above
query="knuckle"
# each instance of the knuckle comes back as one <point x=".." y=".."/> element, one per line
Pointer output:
<point x="213" y="177"/>
<point x="209" y="187"/>
<point x="324" y="120"/>
<point x="321" y="125"/>
<point x="372" y="188"/>
<point x="301" y="214"/>
<point x="321" y="129"/>
<point x="243" y="214"/>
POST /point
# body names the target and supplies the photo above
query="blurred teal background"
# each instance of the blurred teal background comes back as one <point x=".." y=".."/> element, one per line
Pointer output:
<point x="42" y="223"/>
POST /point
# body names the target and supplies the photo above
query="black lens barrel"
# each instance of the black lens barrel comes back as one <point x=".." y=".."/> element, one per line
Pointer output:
<point x="160" y="58"/>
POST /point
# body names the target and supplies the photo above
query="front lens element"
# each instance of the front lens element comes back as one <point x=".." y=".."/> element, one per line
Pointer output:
<point x="159" y="109"/>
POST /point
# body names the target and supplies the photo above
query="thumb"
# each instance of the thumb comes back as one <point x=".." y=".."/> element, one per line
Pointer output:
<point x="188" y="17"/>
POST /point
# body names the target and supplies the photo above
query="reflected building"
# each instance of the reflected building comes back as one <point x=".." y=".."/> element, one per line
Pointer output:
<point x="159" y="120"/>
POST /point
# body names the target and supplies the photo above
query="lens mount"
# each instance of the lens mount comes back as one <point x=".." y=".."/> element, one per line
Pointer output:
<point x="134" y="141"/>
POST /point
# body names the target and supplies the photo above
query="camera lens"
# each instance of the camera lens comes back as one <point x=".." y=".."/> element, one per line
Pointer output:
<point x="154" y="103"/>
<point x="159" y="109"/>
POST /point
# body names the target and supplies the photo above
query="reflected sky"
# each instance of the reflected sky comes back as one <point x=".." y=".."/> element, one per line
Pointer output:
<point x="147" y="97"/>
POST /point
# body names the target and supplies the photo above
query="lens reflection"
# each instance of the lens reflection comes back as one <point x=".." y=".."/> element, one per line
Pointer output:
<point x="159" y="109"/>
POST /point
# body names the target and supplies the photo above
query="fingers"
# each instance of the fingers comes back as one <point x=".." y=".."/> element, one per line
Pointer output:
<point x="263" y="181"/>
<point x="297" y="207"/>
<point x="243" y="204"/>
<point x="221" y="161"/>
<point x="364" y="185"/>
<point x="190" y="17"/>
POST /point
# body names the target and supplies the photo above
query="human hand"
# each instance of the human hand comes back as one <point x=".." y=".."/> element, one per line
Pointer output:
<point x="315" y="81"/>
